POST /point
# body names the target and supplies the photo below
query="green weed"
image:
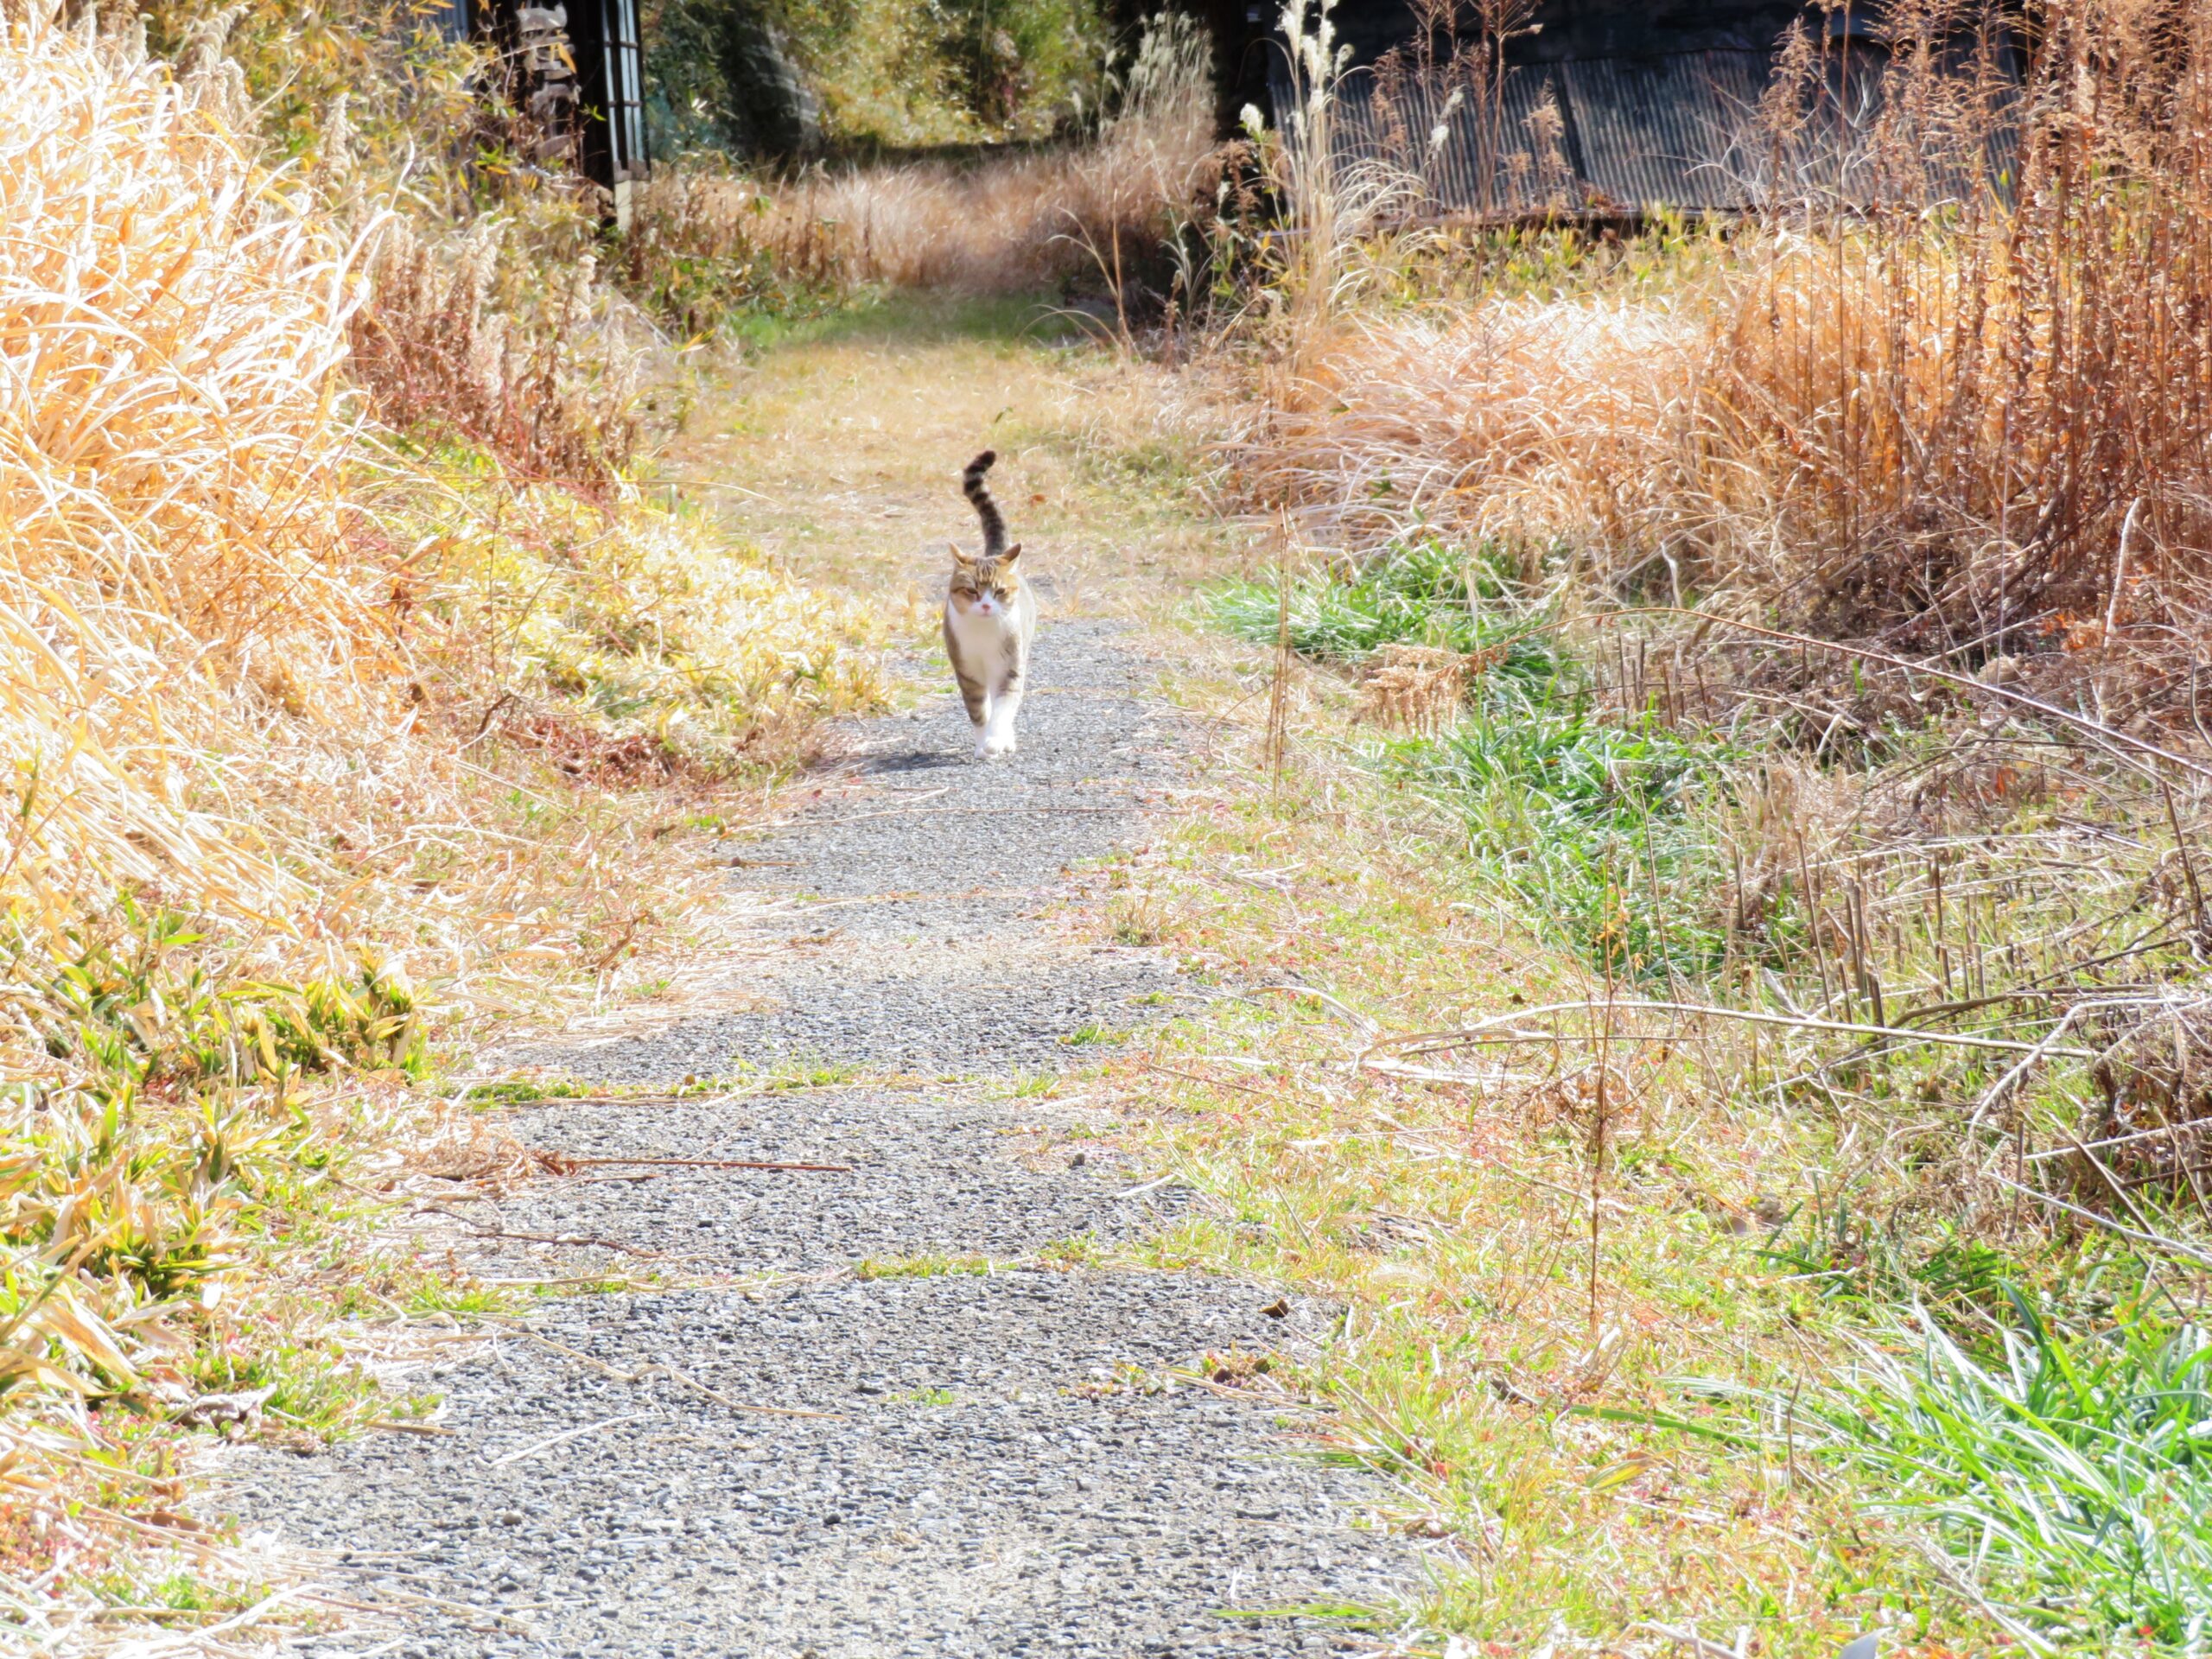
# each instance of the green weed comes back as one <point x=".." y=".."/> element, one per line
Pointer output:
<point x="1425" y="591"/>
<point x="1588" y="821"/>
<point x="795" y="1072"/>
<point x="1071" y="1253"/>
<point x="449" y="1296"/>
<point x="2071" y="1475"/>
<point x="927" y="1397"/>
<point x="524" y="1091"/>
<point x="921" y="1267"/>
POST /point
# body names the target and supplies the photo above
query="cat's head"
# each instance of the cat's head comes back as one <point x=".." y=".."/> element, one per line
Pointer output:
<point x="985" y="586"/>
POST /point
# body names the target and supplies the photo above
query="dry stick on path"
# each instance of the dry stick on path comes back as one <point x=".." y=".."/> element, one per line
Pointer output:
<point x="560" y="1162"/>
<point x="584" y="1239"/>
<point x="563" y="1438"/>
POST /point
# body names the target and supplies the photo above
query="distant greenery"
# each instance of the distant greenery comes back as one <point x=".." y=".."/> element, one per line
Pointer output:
<point x="889" y="72"/>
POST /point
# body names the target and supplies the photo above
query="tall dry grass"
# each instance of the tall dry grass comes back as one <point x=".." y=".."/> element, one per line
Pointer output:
<point x="172" y="468"/>
<point x="1984" y="409"/>
<point x="548" y="387"/>
<point x="1955" y="390"/>
<point x="306" y="749"/>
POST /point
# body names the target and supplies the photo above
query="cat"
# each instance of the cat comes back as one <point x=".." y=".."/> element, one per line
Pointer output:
<point x="989" y="618"/>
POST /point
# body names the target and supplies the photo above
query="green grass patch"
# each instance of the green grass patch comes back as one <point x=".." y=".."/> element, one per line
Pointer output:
<point x="794" y="1071"/>
<point x="462" y="1296"/>
<point x="1582" y="817"/>
<point x="1590" y="823"/>
<point x="1094" y="1036"/>
<point x="921" y="1267"/>
<point x="525" y="1091"/>
<point x="1070" y="1254"/>
<point x="2070" y="1475"/>
<point x="1424" y="592"/>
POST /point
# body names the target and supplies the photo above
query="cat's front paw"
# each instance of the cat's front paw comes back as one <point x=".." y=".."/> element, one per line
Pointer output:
<point x="997" y="743"/>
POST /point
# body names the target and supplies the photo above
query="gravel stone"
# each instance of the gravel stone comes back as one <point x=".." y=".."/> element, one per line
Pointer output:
<point x="954" y="1462"/>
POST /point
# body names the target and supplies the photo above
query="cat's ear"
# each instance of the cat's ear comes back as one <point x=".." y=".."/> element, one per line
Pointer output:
<point x="1011" y="554"/>
<point x="958" y="557"/>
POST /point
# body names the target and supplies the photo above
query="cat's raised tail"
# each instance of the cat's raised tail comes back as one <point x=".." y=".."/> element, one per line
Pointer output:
<point x="979" y="496"/>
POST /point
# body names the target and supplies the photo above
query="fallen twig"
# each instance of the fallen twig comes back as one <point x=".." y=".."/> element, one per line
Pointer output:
<point x="2188" y="1252"/>
<point x="1195" y="1077"/>
<point x="1693" y="1640"/>
<point x="1139" y="1192"/>
<point x="2004" y="1085"/>
<point x="560" y="1163"/>
<point x="586" y="1240"/>
<point x="548" y="1444"/>
<point x="1359" y="1021"/>
<point x="2111" y="739"/>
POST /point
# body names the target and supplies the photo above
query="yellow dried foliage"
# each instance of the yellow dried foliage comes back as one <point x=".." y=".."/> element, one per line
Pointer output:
<point x="172" y="447"/>
<point x="286" y="715"/>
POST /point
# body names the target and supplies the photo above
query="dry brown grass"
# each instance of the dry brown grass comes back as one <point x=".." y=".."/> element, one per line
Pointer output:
<point x="1419" y="687"/>
<point x="1529" y="418"/>
<point x="550" y="388"/>
<point x="1961" y="410"/>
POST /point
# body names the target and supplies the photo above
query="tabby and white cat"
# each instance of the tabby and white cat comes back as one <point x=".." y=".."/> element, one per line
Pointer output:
<point x="988" y="619"/>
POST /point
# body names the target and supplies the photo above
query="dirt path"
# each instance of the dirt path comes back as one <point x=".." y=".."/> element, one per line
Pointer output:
<point x="839" y="1434"/>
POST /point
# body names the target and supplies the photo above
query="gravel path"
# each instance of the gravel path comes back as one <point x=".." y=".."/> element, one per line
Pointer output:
<point x="909" y="938"/>
<point x="951" y="1460"/>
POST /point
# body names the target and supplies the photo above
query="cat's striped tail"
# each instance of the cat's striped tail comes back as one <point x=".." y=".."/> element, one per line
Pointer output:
<point x="971" y="481"/>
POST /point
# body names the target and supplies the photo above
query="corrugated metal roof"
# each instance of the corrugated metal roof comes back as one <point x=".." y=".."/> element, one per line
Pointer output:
<point x="448" y="17"/>
<point x="1672" y="130"/>
<point x="1669" y="131"/>
<point x="1467" y="154"/>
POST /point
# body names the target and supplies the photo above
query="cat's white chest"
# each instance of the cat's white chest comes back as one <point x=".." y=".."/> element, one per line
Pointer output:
<point x="983" y="640"/>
